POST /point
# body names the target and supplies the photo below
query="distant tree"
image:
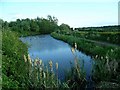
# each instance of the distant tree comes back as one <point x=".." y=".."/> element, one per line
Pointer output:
<point x="1" y="24"/>
<point x="40" y="25"/>
<point x="34" y="26"/>
<point x="64" y="28"/>
<point x="52" y="19"/>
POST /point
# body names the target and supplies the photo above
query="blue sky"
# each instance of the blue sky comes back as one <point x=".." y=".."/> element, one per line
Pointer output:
<point x="76" y="13"/>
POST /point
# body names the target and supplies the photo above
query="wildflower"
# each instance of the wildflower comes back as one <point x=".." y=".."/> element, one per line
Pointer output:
<point x="56" y="66"/>
<point x="25" y="58"/>
<point x="75" y="45"/>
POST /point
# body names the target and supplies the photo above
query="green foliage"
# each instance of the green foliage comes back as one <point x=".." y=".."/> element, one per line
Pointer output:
<point x="20" y="71"/>
<point x="111" y="37"/>
<point x="87" y="46"/>
<point x="13" y="67"/>
<point x="36" y="26"/>
<point x="107" y="59"/>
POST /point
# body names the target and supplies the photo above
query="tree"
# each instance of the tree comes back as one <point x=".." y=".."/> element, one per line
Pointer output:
<point x="64" y="28"/>
<point x="52" y="19"/>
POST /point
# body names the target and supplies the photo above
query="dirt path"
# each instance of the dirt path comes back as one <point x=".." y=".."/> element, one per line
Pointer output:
<point x="102" y="43"/>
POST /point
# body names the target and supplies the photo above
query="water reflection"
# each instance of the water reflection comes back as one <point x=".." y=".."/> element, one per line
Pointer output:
<point x="47" y="48"/>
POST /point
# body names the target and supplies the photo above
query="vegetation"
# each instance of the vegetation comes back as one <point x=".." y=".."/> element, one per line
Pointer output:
<point x="107" y="63"/>
<point x="33" y="26"/>
<point x="89" y="47"/>
<point x="110" y="37"/>
<point x="20" y="71"/>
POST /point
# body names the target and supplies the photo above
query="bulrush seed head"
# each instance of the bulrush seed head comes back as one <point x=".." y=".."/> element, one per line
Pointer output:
<point x="75" y="45"/>
<point x="44" y="75"/>
<point x="29" y="59"/>
<point x="35" y="62"/>
<point x="50" y="63"/>
<point x="106" y="57"/>
<point x="96" y="56"/>
<point x="40" y="62"/>
<point x="56" y="66"/>
<point x="25" y="58"/>
<point x="73" y="50"/>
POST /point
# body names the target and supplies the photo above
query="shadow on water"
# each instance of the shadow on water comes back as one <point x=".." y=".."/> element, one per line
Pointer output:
<point x="47" y="48"/>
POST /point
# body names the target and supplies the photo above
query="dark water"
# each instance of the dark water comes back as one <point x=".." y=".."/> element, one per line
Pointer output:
<point x="47" y="48"/>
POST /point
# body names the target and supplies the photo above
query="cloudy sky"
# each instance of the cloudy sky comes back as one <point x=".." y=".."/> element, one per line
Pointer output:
<point x="76" y="13"/>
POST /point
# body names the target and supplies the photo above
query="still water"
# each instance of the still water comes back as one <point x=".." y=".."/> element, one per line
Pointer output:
<point x="47" y="48"/>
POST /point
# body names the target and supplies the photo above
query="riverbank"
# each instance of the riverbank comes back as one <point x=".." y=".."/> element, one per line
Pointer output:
<point x="19" y="71"/>
<point x="107" y="59"/>
<point x="89" y="47"/>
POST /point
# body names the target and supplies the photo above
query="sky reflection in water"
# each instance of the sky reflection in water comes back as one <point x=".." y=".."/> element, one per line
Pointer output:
<point x="47" y="48"/>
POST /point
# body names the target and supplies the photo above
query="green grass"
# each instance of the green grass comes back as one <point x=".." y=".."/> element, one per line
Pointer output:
<point x="110" y="37"/>
<point x="19" y="71"/>
<point x="89" y="47"/>
<point x="106" y="58"/>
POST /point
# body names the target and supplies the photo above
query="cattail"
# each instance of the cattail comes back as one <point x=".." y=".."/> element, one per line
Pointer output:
<point x="106" y="57"/>
<point x="44" y="75"/>
<point x="40" y="62"/>
<point x="50" y="63"/>
<point x="111" y="50"/>
<point x="101" y="57"/>
<point x="73" y="50"/>
<point x="75" y="45"/>
<point x="25" y="58"/>
<point x="96" y="56"/>
<point x="56" y="66"/>
<point x="29" y="59"/>
<point x="35" y="62"/>
<point x="41" y="69"/>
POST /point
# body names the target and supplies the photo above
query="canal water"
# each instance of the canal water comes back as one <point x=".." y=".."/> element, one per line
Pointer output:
<point x="47" y="48"/>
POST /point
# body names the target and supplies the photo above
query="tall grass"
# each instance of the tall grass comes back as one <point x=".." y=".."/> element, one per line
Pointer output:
<point x="106" y="58"/>
<point x="20" y="71"/>
<point x="41" y="76"/>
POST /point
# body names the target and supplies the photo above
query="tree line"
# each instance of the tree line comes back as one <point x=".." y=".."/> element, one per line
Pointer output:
<point x="38" y="25"/>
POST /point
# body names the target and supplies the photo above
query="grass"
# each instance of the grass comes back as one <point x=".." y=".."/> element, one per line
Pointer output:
<point x="106" y="58"/>
<point x="89" y="47"/>
<point x="20" y="71"/>
<point x="110" y="37"/>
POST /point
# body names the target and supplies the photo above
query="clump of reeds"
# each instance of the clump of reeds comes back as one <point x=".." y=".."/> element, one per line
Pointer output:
<point x="42" y="76"/>
<point x="77" y="77"/>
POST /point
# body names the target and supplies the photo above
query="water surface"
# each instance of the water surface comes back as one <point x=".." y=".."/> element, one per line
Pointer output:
<point x="47" y="48"/>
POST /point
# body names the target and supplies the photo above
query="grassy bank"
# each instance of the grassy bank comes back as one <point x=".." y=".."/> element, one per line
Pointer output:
<point x="90" y="47"/>
<point x="20" y="71"/>
<point x="110" y="37"/>
<point x="107" y="60"/>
